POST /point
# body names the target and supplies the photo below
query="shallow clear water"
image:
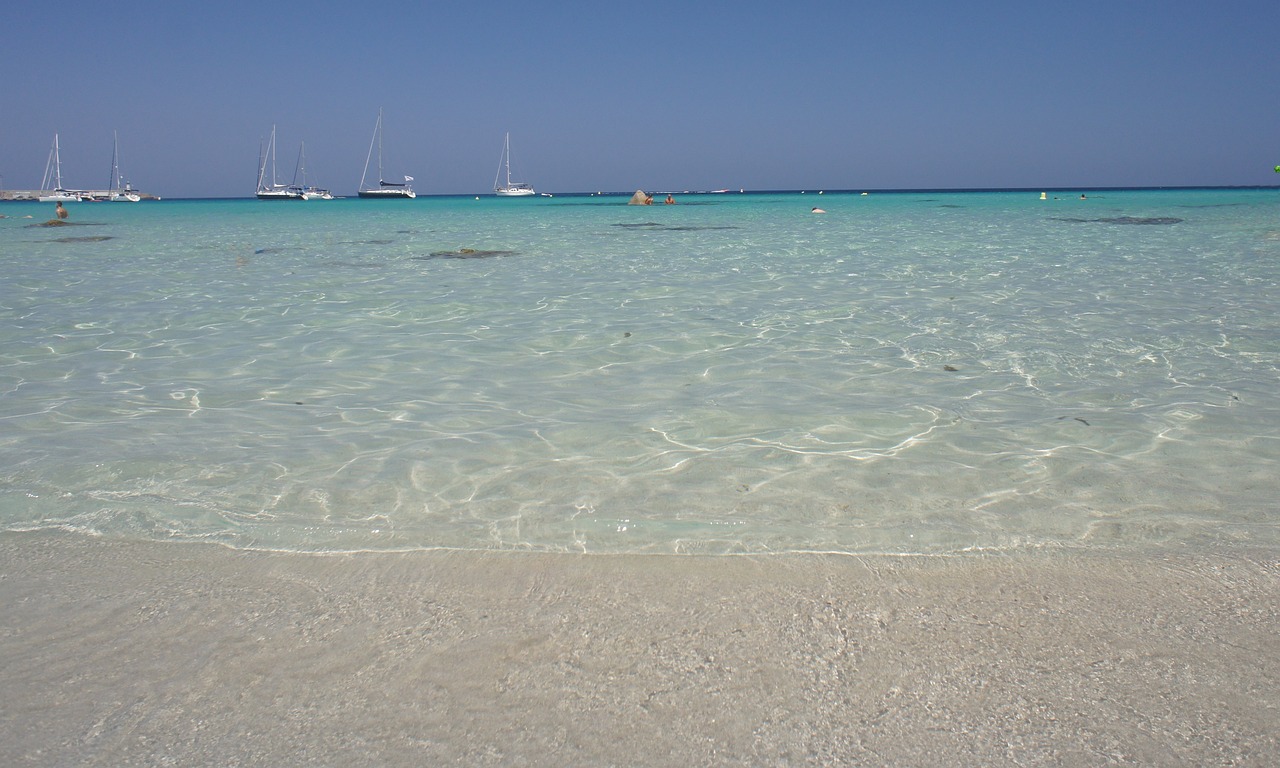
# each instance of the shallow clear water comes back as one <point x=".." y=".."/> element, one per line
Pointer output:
<point x="910" y="372"/>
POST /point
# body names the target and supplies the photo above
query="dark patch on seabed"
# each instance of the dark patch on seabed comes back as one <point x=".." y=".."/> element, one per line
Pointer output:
<point x="84" y="239"/>
<point x="1145" y="220"/>
<point x="465" y="253"/>
<point x="54" y="223"/>
<point x="654" y="226"/>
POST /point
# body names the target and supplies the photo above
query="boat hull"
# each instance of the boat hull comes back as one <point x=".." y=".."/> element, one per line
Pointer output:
<point x="383" y="194"/>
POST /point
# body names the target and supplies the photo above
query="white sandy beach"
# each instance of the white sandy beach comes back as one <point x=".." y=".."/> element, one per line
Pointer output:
<point x="122" y="653"/>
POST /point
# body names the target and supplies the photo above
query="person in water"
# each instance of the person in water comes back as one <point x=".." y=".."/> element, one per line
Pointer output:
<point x="62" y="212"/>
<point x="669" y="201"/>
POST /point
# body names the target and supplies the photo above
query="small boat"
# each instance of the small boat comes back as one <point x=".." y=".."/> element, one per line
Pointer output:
<point x="273" y="190"/>
<point x="385" y="189"/>
<point x="54" y="164"/>
<point x="511" y="188"/>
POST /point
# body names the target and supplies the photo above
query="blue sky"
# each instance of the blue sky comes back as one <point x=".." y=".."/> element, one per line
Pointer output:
<point x="663" y="96"/>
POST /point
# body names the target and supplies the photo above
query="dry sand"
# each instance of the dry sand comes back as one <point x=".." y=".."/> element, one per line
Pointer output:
<point x="123" y="653"/>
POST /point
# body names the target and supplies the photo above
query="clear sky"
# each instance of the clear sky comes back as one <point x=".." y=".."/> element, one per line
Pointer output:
<point x="614" y="96"/>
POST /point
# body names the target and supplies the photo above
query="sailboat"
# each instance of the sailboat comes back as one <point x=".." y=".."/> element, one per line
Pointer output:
<point x="115" y="193"/>
<point x="273" y="190"/>
<point x="384" y="189"/>
<point x="510" y="189"/>
<point x="308" y="192"/>
<point x="59" y="195"/>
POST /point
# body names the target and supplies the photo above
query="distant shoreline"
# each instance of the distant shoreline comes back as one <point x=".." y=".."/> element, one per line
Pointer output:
<point x="33" y="195"/>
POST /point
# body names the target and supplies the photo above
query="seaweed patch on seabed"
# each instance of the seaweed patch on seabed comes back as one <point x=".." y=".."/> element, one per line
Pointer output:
<point x="653" y="226"/>
<point x="465" y="253"/>
<point x="1148" y="220"/>
<point x="84" y="239"/>
<point x="53" y="223"/>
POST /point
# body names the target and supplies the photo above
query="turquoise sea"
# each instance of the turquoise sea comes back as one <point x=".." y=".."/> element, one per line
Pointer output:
<point x="930" y="372"/>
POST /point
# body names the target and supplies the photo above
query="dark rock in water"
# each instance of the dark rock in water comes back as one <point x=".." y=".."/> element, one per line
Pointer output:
<point x="1152" y="220"/>
<point x="465" y="253"/>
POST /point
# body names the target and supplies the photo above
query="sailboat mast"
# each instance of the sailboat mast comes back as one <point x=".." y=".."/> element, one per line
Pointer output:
<point x="262" y="164"/>
<point x="369" y="156"/>
<point x="301" y="165"/>
<point x="48" y="165"/>
<point x="57" y="162"/>
<point x="111" y="178"/>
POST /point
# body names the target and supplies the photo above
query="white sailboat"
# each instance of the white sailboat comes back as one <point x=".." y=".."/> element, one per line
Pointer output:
<point x="385" y="189"/>
<point x="511" y="188"/>
<point x="115" y="193"/>
<point x="273" y="190"/>
<point x="308" y="192"/>
<point x="54" y="163"/>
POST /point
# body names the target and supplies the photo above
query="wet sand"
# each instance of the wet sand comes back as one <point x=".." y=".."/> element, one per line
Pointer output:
<point x="125" y="653"/>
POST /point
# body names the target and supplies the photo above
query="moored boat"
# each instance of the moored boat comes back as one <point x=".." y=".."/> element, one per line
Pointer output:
<point x="53" y="172"/>
<point x="385" y="189"/>
<point x="510" y="188"/>
<point x="273" y="190"/>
